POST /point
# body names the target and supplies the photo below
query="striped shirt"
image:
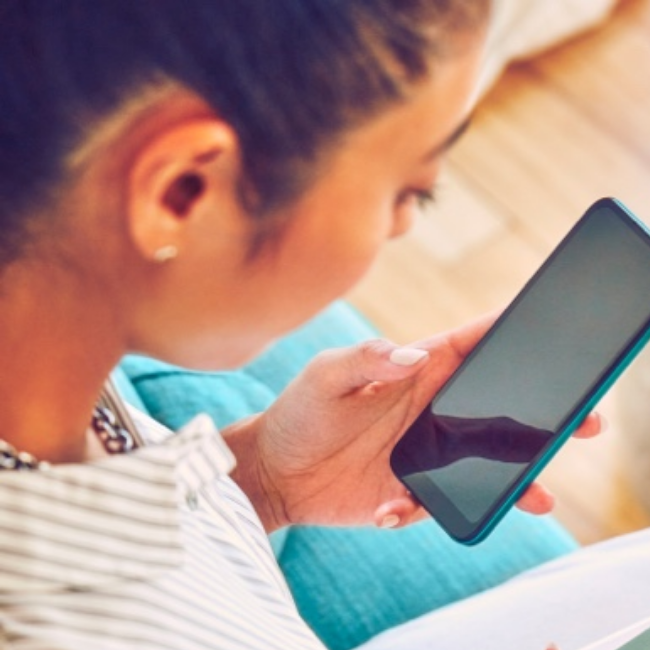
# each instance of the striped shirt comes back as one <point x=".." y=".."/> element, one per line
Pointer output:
<point x="157" y="549"/>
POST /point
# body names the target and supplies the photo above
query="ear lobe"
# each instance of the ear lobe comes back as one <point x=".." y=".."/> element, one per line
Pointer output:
<point x="170" y="178"/>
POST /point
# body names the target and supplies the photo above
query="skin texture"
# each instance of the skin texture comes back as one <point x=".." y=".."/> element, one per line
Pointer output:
<point x="91" y="290"/>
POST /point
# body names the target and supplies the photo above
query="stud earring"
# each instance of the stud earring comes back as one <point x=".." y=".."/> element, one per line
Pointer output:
<point x="165" y="253"/>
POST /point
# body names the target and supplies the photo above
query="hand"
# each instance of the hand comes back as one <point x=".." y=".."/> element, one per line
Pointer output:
<point x="320" y="454"/>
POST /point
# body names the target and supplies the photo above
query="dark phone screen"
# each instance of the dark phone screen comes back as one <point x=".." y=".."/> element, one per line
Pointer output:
<point x="534" y="371"/>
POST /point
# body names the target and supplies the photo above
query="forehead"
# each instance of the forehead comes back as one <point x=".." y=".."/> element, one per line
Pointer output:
<point x="425" y="123"/>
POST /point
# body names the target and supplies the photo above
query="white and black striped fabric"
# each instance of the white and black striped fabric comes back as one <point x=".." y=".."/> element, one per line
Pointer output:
<point x="156" y="550"/>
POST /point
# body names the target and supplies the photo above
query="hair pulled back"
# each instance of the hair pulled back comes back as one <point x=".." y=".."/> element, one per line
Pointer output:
<point x="288" y="75"/>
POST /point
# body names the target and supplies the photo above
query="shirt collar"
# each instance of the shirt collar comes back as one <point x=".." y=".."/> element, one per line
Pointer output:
<point x="81" y="526"/>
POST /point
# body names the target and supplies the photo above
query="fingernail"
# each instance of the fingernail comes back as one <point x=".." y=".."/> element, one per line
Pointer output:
<point x="389" y="521"/>
<point x="407" y="356"/>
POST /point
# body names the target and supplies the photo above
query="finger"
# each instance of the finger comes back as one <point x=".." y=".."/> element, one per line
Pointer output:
<point x="464" y="339"/>
<point x="461" y="340"/>
<point x="381" y="361"/>
<point x="537" y="500"/>
<point x="399" y="512"/>
<point x="406" y="510"/>
<point x="348" y="369"/>
<point x="592" y="425"/>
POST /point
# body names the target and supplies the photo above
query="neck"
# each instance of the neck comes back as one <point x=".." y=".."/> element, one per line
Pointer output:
<point x="58" y="343"/>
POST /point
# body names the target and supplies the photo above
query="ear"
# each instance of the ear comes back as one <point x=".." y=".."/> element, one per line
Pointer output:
<point x="172" y="178"/>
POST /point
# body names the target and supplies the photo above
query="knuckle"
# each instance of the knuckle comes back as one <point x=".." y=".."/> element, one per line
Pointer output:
<point x="373" y="348"/>
<point x="357" y="359"/>
<point x="322" y="360"/>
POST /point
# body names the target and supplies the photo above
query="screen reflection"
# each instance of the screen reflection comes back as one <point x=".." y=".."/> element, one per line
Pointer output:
<point x="493" y="451"/>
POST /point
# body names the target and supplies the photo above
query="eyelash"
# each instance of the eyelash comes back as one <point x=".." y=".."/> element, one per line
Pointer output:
<point x="423" y="197"/>
<point x="426" y="197"/>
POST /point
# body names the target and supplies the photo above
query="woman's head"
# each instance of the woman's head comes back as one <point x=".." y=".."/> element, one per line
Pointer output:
<point x="226" y="114"/>
<point x="289" y="76"/>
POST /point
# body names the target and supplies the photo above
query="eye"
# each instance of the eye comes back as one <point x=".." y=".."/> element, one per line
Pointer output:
<point x="425" y="198"/>
<point x="417" y="198"/>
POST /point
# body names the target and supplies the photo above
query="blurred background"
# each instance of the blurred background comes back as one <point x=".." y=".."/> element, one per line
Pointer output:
<point x="563" y="119"/>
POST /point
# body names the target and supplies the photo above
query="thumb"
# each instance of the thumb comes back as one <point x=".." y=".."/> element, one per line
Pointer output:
<point x="345" y="370"/>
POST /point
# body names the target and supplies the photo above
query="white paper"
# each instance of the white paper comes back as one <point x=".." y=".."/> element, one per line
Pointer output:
<point x="620" y="638"/>
<point x="597" y="598"/>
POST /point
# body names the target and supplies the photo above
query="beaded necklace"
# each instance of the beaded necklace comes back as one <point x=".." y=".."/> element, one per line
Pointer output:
<point x="110" y="422"/>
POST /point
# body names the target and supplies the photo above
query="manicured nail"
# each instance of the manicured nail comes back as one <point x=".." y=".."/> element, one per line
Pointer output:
<point x="407" y="356"/>
<point x="389" y="521"/>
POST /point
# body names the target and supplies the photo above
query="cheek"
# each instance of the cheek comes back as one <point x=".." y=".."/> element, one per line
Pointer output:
<point x="334" y="264"/>
<point x="340" y="268"/>
<point x="360" y="253"/>
<point x="404" y="219"/>
<point x="330" y="250"/>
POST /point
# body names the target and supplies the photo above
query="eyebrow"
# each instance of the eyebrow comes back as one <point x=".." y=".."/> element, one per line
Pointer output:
<point x="450" y="140"/>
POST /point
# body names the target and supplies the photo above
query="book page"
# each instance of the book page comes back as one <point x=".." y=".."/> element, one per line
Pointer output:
<point x="637" y="635"/>
<point x="597" y="598"/>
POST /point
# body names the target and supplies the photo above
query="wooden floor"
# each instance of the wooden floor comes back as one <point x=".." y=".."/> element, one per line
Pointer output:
<point x="555" y="134"/>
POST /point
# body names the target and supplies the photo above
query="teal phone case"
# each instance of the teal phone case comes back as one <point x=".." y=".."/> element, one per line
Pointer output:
<point x="638" y="340"/>
<point x="608" y="382"/>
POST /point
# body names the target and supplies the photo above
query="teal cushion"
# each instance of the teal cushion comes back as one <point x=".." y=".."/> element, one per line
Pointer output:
<point x="349" y="584"/>
<point x="175" y="395"/>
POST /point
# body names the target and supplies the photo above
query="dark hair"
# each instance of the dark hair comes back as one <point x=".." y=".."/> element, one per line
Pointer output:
<point x="288" y="75"/>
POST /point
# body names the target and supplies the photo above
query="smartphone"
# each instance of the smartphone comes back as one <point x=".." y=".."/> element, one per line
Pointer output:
<point x="533" y="377"/>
